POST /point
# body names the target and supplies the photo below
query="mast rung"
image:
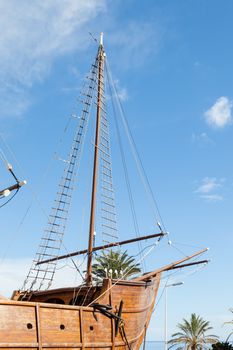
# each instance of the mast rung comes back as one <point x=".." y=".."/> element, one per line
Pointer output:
<point x="52" y="239"/>
<point x="43" y="278"/>
<point x="107" y="182"/>
<point x="107" y="189"/>
<point x="107" y="197"/>
<point x="106" y="167"/>
<point x="49" y="247"/>
<point x="105" y="241"/>
<point x="55" y="224"/>
<point x="62" y="210"/>
<point x="86" y="94"/>
<point x="67" y="187"/>
<point x="104" y="118"/>
<point x="105" y="132"/>
<point x="101" y="88"/>
<point x="105" y="218"/>
<point x="107" y="211"/>
<point x="108" y="175"/>
<point x="67" y="179"/>
<point x="90" y="78"/>
<point x="106" y="161"/>
<point x="105" y="112"/>
<point x="104" y="124"/>
<point x="52" y="256"/>
<point x="64" y="194"/>
<point x="106" y="147"/>
<point x="105" y="139"/>
<point x="111" y="228"/>
<point x="62" y="202"/>
<point x="110" y="235"/>
<point x="58" y="217"/>
<point x="105" y="153"/>
<point x="105" y="170"/>
<point x="52" y="231"/>
<point x="76" y="148"/>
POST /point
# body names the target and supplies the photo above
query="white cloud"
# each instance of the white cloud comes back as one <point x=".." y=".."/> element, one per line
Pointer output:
<point x="202" y="139"/>
<point x="33" y="35"/>
<point x="135" y="42"/>
<point x="121" y="91"/>
<point x="219" y="115"/>
<point x="212" y="197"/>
<point x="12" y="274"/>
<point x="209" y="186"/>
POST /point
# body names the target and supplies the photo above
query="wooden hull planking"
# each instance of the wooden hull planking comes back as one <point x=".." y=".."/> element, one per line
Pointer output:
<point x="38" y="325"/>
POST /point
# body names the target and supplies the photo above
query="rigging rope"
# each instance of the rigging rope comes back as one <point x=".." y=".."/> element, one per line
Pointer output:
<point x="9" y="198"/>
<point x="124" y="275"/>
<point x="51" y="241"/>
<point x="126" y="174"/>
<point x="138" y="161"/>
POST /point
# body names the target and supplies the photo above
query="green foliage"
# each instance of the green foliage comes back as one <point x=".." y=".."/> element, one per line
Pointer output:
<point x="222" y="346"/>
<point x="192" y="334"/>
<point x="114" y="264"/>
<point x="231" y="323"/>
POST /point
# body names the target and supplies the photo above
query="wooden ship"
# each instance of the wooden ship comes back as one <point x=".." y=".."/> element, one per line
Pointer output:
<point x="112" y="314"/>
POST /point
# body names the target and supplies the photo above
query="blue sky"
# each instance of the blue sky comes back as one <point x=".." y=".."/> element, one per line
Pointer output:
<point x="172" y="61"/>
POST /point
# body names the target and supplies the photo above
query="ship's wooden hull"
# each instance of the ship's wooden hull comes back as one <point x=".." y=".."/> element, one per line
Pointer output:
<point x="39" y="325"/>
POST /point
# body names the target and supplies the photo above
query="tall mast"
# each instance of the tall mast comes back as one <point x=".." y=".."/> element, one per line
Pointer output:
<point x="96" y="158"/>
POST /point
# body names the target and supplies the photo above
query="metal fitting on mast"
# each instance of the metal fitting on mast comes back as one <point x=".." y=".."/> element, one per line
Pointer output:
<point x="101" y="38"/>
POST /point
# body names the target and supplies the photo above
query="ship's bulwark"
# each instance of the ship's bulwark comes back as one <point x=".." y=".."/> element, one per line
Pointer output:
<point x="36" y="324"/>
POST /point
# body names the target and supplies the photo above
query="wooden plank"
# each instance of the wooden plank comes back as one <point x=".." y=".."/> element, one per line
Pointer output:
<point x="38" y="327"/>
<point x="81" y="328"/>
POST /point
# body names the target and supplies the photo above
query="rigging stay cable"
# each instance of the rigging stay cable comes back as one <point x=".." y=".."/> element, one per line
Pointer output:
<point x="169" y="278"/>
<point x="4" y="159"/>
<point x="126" y="175"/>
<point x="122" y="277"/>
<point x="138" y="161"/>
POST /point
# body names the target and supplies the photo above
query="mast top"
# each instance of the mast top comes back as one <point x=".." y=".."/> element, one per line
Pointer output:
<point x="101" y="38"/>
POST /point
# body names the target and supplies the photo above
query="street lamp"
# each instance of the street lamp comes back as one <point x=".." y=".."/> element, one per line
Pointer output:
<point x="165" y="326"/>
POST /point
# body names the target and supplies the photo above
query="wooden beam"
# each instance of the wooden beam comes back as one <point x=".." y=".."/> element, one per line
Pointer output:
<point x="110" y="245"/>
<point x="189" y="264"/>
<point x="168" y="267"/>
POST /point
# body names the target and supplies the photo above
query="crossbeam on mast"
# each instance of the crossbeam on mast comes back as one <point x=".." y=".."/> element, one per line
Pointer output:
<point x="171" y="266"/>
<point x="189" y="264"/>
<point x="110" y="245"/>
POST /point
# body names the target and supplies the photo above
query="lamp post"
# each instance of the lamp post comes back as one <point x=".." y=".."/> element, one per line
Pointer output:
<point x="165" y="325"/>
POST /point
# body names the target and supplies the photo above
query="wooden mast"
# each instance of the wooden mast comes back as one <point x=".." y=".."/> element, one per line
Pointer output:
<point x="96" y="159"/>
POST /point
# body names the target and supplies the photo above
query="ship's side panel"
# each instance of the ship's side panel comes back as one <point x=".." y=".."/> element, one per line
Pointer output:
<point x="18" y="325"/>
<point x="59" y="324"/>
<point x="32" y="325"/>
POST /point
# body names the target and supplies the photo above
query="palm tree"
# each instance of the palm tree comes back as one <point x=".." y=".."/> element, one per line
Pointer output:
<point x="192" y="334"/>
<point x="222" y="346"/>
<point x="114" y="264"/>
<point x="229" y="322"/>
